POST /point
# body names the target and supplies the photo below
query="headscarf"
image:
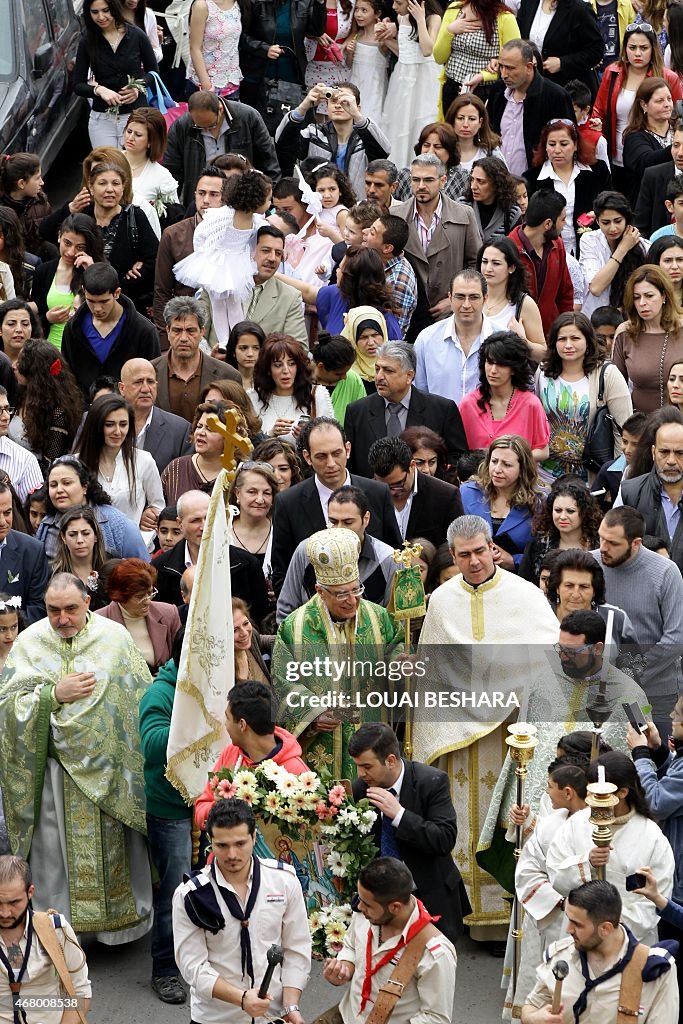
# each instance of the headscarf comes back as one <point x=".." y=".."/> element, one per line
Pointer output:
<point x="355" y="321"/>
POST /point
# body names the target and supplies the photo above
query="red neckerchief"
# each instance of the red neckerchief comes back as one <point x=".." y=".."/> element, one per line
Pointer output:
<point x="424" y="918"/>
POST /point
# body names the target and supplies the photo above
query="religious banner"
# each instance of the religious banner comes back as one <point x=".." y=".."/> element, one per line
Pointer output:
<point x="206" y="672"/>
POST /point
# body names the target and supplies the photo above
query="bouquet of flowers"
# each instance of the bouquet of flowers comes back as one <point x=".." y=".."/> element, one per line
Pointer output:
<point x="312" y="808"/>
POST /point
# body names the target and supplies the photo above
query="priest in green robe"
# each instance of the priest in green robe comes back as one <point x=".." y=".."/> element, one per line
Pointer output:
<point x="71" y="766"/>
<point x="336" y="659"/>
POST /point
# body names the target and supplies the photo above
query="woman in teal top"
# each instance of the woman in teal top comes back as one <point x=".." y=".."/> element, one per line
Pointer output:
<point x="56" y="283"/>
<point x="333" y="356"/>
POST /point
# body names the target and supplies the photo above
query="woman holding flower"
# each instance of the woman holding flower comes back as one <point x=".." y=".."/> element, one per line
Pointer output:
<point x="254" y="738"/>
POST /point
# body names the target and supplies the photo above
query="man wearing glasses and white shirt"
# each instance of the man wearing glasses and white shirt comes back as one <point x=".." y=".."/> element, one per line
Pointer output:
<point x="18" y="462"/>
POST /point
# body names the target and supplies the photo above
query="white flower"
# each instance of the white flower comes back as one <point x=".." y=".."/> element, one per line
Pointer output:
<point x="310" y="801"/>
<point x="271" y="770"/>
<point x="335" y="863"/>
<point x="287" y="784"/>
<point x="314" y="921"/>
<point x="246" y="778"/>
<point x="348" y="815"/>
<point x="272" y="803"/>
<point x="246" y="793"/>
<point x="309" y="781"/>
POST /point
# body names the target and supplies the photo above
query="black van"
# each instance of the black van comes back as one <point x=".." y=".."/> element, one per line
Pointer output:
<point x="38" y="44"/>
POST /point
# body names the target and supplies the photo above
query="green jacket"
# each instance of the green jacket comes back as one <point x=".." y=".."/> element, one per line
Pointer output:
<point x="156" y="707"/>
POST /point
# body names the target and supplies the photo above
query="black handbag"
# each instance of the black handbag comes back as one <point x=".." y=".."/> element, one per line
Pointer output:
<point x="280" y="97"/>
<point x="599" y="446"/>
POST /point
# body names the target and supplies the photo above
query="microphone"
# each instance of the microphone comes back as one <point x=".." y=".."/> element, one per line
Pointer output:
<point x="274" y="956"/>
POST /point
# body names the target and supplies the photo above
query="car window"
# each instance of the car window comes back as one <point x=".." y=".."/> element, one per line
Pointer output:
<point x="60" y="14"/>
<point x="6" y="40"/>
<point x="37" y="26"/>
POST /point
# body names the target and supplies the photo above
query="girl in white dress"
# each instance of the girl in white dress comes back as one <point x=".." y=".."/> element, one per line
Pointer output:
<point x="368" y="59"/>
<point x="412" y="98"/>
<point x="336" y="192"/>
<point x="224" y="240"/>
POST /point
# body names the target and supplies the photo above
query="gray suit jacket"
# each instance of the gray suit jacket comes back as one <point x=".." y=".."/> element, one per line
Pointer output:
<point x="167" y="438"/>
<point x="279" y="308"/>
<point x="212" y="369"/>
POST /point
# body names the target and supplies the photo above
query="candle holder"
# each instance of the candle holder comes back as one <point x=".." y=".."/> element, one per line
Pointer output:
<point x="602" y="800"/>
<point x="598" y="710"/>
<point x="522" y="743"/>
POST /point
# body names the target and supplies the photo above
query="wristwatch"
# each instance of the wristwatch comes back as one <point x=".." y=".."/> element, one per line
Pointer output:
<point x="294" y="1008"/>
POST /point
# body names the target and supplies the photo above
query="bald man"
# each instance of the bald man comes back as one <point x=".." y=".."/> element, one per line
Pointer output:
<point x="164" y="435"/>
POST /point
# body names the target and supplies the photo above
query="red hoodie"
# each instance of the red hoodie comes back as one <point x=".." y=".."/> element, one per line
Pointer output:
<point x="288" y="756"/>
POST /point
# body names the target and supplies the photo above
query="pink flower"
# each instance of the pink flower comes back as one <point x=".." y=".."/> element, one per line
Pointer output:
<point x="213" y="783"/>
<point x="321" y="810"/>
<point x="225" y="789"/>
<point x="333" y="811"/>
<point x="337" y="795"/>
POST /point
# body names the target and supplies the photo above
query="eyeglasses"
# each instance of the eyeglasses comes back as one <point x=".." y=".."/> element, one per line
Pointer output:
<point x="7" y="410"/>
<point x="562" y="120"/>
<point x="344" y="595"/>
<point x="571" y="652"/>
<point x="149" y="596"/>
<point x="206" y="127"/>
<point x="644" y="26"/>
<point x="400" y="485"/>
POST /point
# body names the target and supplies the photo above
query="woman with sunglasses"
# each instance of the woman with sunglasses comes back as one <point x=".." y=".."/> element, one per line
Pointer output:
<point x="640" y="58"/>
<point x="648" y="133"/>
<point x="565" y="161"/>
<point x="152" y="624"/>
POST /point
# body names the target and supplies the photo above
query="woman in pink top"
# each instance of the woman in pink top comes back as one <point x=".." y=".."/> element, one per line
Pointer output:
<point x="503" y="403"/>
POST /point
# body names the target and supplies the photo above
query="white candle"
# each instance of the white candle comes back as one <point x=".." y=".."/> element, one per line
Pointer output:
<point x="601" y="774"/>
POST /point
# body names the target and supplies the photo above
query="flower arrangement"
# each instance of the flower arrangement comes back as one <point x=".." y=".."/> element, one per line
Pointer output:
<point x="312" y="808"/>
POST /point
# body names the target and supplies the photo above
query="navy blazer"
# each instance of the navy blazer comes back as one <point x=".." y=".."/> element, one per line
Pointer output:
<point x="515" y="531"/>
<point x="24" y="573"/>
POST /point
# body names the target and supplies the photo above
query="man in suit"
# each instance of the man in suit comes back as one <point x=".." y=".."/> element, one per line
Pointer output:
<point x="23" y="563"/>
<point x="424" y="506"/>
<point x="650" y="213"/>
<point x="416" y="821"/>
<point x="397" y="405"/>
<point x="443" y="235"/>
<point x="246" y="574"/>
<point x="163" y="435"/>
<point x="184" y="371"/>
<point x="274" y="305"/>
<point x="302" y="510"/>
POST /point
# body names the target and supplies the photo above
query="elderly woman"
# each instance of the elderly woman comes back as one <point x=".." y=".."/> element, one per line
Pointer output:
<point x="503" y="402"/>
<point x="198" y="472"/>
<point x="152" y="624"/>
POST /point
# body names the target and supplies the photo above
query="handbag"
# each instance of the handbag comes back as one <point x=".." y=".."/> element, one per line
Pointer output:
<point x="159" y="97"/>
<point x="599" y="446"/>
<point x="280" y="98"/>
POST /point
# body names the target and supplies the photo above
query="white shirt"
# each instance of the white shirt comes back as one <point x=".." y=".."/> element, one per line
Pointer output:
<point x="427" y="997"/>
<point x="279" y="916"/>
<point x="284" y="407"/>
<point x="568" y="190"/>
<point x="625" y="100"/>
<point x="324" y="493"/>
<point x="21" y="467"/>
<point x="595" y="253"/>
<point x="403" y="514"/>
<point x="148" y="489"/>
<point x="442" y="366"/>
<point x="140" y="438"/>
<point x="40" y="979"/>
<point x="540" y="25"/>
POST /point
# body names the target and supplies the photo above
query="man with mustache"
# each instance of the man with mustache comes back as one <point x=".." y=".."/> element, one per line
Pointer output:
<point x="27" y="961"/>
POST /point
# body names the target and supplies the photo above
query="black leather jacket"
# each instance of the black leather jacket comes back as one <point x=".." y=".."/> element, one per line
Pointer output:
<point x="307" y="18"/>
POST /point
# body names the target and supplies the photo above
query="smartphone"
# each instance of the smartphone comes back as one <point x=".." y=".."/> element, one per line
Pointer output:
<point x="635" y="717"/>
<point x="635" y="881"/>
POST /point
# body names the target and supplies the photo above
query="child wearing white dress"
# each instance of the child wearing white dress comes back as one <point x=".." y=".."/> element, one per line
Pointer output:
<point x="337" y="195"/>
<point x="412" y="99"/>
<point x="367" y="58"/>
<point x="224" y="241"/>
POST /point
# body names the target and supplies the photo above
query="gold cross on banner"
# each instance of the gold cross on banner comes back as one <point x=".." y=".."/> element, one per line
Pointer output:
<point x="233" y="441"/>
<point x="406" y="555"/>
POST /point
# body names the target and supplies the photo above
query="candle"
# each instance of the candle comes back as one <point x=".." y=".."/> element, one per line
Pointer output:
<point x="601" y="774"/>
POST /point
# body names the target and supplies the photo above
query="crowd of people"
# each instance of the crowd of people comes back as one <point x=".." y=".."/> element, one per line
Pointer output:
<point x="430" y="259"/>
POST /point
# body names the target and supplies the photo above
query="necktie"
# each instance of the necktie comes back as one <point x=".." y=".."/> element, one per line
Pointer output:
<point x="255" y="296"/>
<point x="388" y="847"/>
<point x="393" y="423"/>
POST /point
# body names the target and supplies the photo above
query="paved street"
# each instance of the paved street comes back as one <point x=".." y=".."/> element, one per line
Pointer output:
<point x="120" y="978"/>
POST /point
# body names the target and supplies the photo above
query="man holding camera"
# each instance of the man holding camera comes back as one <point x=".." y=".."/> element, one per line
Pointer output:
<point x="227" y="916"/>
<point x="347" y="138"/>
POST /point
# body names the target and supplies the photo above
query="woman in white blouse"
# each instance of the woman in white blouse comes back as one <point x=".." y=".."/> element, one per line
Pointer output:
<point x="144" y="144"/>
<point x="565" y="161"/>
<point x="128" y="474"/>
<point x="285" y="394"/>
<point x="136" y="12"/>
